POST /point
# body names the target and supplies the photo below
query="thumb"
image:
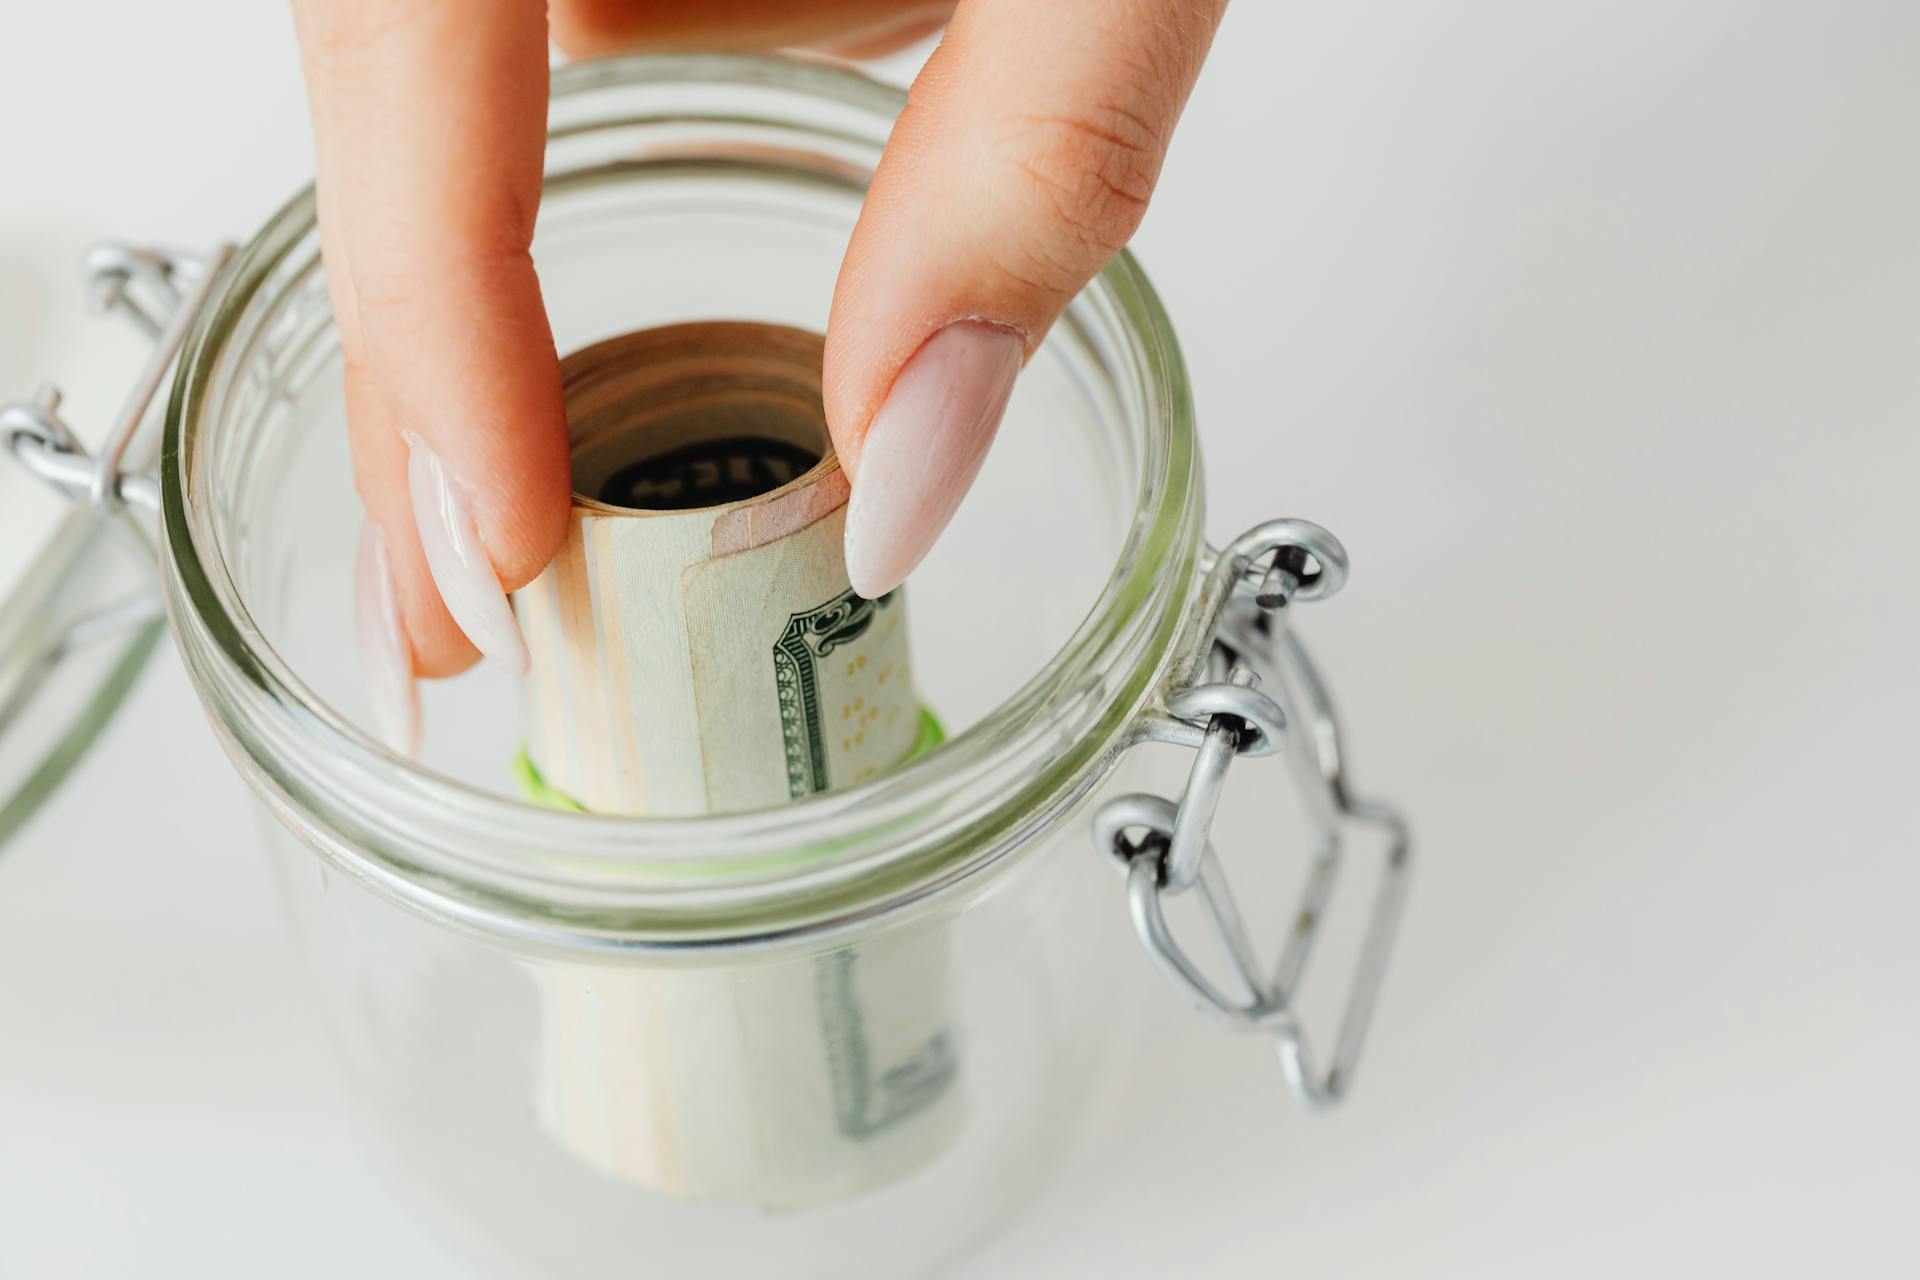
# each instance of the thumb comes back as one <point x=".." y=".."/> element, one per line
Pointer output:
<point x="1022" y="163"/>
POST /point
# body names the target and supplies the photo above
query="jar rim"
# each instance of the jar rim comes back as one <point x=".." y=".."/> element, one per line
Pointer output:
<point x="617" y="882"/>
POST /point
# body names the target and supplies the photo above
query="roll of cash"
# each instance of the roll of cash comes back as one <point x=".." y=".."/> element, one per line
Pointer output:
<point x="696" y="646"/>
<point x="697" y="649"/>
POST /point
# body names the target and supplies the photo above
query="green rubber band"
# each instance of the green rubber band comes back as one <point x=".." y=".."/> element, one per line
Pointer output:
<point x="536" y="789"/>
<point x="932" y="734"/>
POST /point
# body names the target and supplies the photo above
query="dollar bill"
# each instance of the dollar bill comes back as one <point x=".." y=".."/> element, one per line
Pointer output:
<point x="696" y="646"/>
<point x="697" y="649"/>
<point x="787" y="1085"/>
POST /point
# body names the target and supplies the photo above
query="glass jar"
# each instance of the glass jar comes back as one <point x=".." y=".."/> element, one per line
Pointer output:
<point x="840" y="1038"/>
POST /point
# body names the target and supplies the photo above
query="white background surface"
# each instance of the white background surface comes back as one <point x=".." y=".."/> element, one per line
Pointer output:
<point x="1591" y="327"/>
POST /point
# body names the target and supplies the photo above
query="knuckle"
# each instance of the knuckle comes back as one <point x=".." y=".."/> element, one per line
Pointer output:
<point x="1093" y="171"/>
<point x="393" y="298"/>
<point x="403" y="282"/>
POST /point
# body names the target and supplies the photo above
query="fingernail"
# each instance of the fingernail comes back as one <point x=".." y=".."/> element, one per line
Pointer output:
<point x="459" y="564"/>
<point x="924" y="448"/>
<point x="385" y="656"/>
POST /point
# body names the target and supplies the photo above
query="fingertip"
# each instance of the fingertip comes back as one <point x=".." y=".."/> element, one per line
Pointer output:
<point x="523" y="514"/>
<point x="924" y="448"/>
<point x="439" y="647"/>
<point x="380" y="464"/>
<point x="457" y="560"/>
<point x="486" y="396"/>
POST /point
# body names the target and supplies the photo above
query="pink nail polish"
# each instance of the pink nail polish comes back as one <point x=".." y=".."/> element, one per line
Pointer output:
<point x="924" y="448"/>
<point x="385" y="656"/>
<point x="443" y="512"/>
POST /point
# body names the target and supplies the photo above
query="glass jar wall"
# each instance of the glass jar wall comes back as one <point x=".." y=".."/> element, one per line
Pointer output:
<point x="839" y="1038"/>
<point x="868" y="1106"/>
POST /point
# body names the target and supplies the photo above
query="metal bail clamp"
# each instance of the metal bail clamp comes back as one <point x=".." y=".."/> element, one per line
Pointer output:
<point x="65" y="611"/>
<point x="161" y="292"/>
<point x="1220" y="710"/>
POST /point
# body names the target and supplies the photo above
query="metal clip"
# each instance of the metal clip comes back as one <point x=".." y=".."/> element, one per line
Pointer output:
<point x="1165" y="848"/>
<point x="147" y="286"/>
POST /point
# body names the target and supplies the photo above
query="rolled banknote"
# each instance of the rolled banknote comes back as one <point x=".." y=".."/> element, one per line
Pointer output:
<point x="697" y="649"/>
<point x="696" y="646"/>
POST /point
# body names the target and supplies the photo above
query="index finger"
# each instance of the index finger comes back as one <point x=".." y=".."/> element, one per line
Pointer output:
<point x="430" y="125"/>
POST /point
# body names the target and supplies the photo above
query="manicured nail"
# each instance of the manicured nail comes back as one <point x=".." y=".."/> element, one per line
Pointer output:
<point x="459" y="564"/>
<point x="385" y="656"/>
<point x="924" y="448"/>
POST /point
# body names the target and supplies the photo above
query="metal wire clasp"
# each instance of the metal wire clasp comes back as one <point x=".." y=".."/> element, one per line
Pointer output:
<point x="1223" y="713"/>
<point x="160" y="292"/>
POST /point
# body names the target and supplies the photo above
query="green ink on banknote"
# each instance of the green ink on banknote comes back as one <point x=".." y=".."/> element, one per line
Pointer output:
<point x="809" y="637"/>
<point x="869" y="1101"/>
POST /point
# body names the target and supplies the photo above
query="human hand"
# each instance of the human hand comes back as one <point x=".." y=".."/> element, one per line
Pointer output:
<point x="1022" y="163"/>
